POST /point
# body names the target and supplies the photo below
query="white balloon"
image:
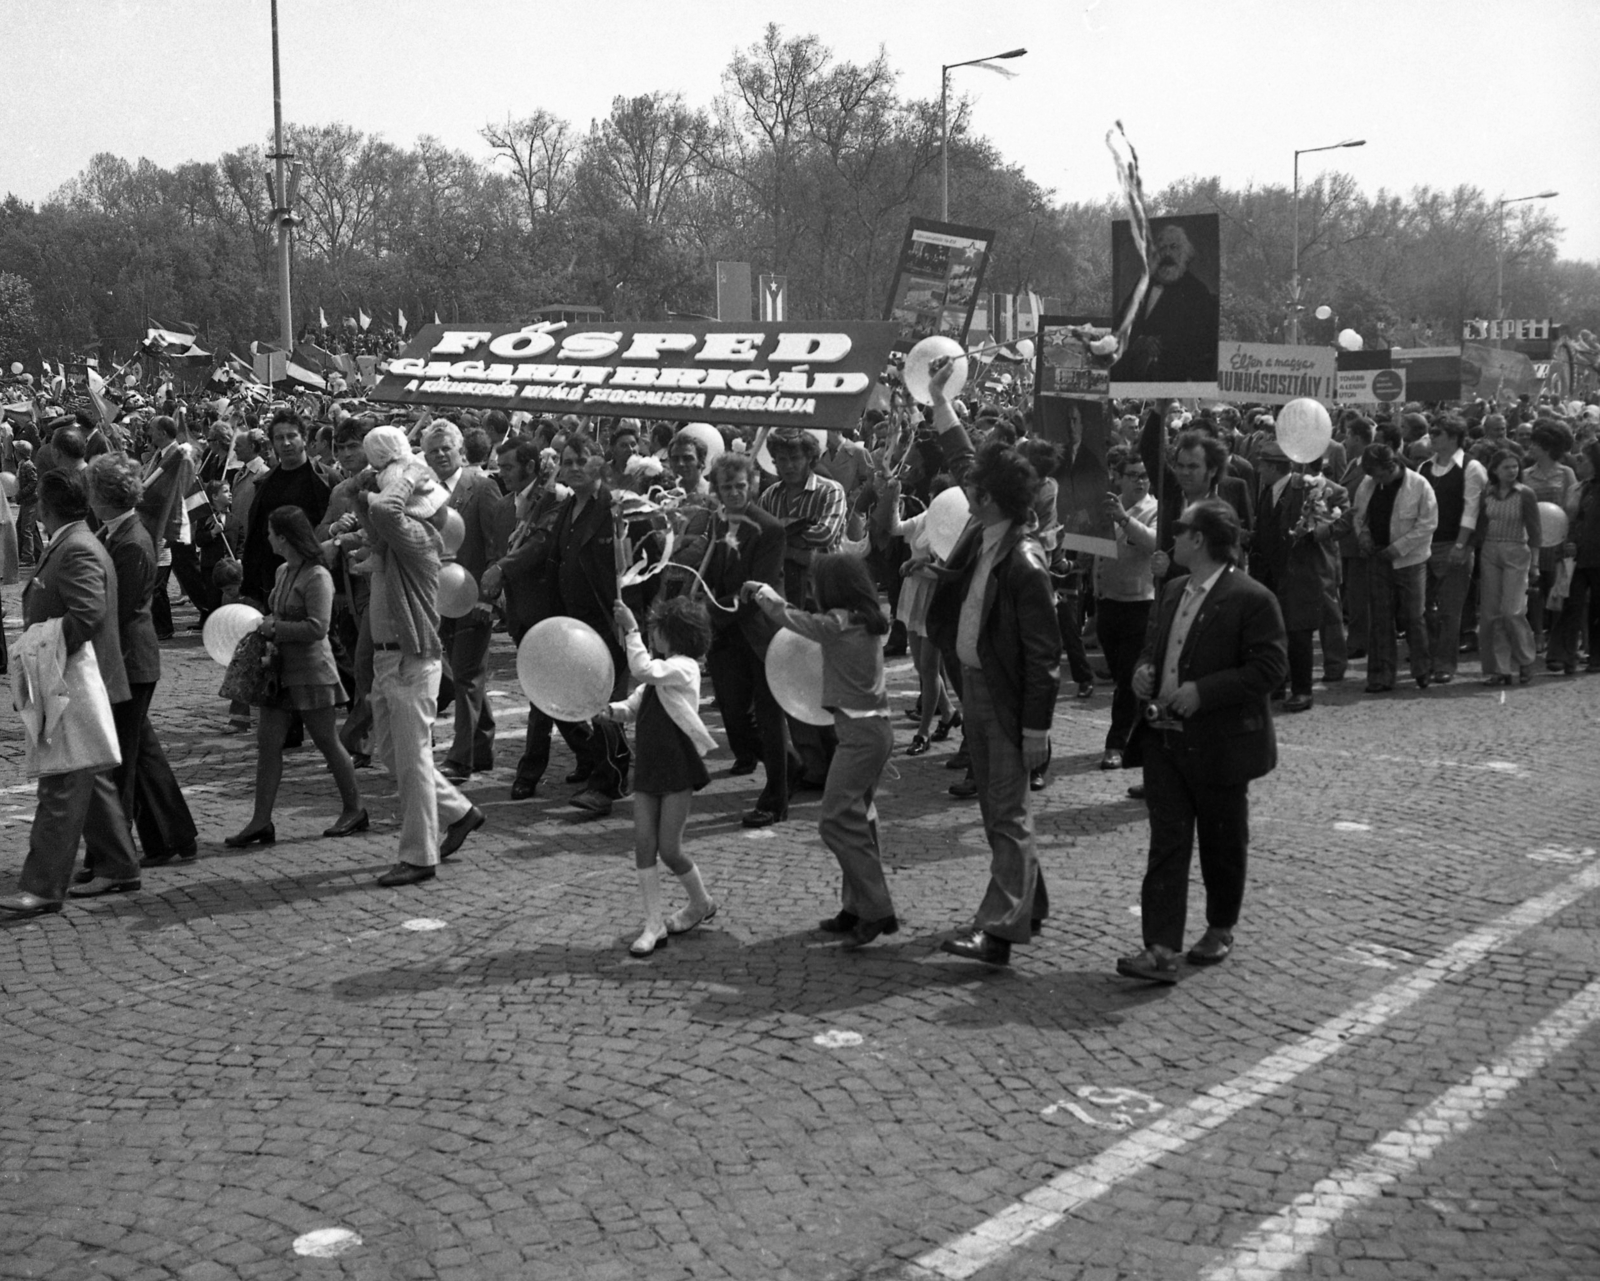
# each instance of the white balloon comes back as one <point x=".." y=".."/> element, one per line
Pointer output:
<point x="1024" y="347"/>
<point x="794" y="672"/>
<point x="225" y="627"/>
<point x="1350" y="340"/>
<point x="947" y="516"/>
<point x="920" y="357"/>
<point x="710" y="436"/>
<point x="764" y="455"/>
<point x="1304" y="430"/>
<point x="1324" y="312"/>
<point x="458" y="591"/>
<point x="454" y="532"/>
<point x="1552" y="524"/>
<point x="566" y="669"/>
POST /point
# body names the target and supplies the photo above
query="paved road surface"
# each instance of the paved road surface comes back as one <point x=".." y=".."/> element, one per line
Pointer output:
<point x="1393" y="1077"/>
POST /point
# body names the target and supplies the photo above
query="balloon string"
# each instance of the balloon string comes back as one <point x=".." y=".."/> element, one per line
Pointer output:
<point x="711" y="599"/>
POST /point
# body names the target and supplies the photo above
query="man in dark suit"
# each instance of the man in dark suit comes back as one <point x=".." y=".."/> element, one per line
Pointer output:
<point x="1174" y="337"/>
<point x="1198" y="469"/>
<point x="475" y="497"/>
<point x="583" y="563"/>
<point x="993" y="615"/>
<point x="77" y="583"/>
<point x="1213" y="655"/>
<point x="746" y="544"/>
<point x="527" y="520"/>
<point x="151" y="797"/>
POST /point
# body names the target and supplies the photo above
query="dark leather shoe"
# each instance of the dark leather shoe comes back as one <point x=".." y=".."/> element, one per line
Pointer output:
<point x="1297" y="703"/>
<point x="580" y="775"/>
<point x="807" y="785"/>
<point x="456" y="834"/>
<point x="1154" y="965"/>
<point x="405" y="874"/>
<point x="26" y="904"/>
<point x="1333" y="677"/>
<point x="964" y="790"/>
<point x="1378" y="687"/>
<point x="1112" y="759"/>
<point x="863" y="932"/>
<point x="759" y="817"/>
<point x="102" y="885"/>
<point x="1136" y="792"/>
<point x="361" y="760"/>
<point x="740" y="768"/>
<point x="521" y="791"/>
<point x="979" y="946"/>
<point x="919" y="746"/>
<point x="267" y="835"/>
<point x="188" y="854"/>
<point x="456" y="774"/>
<point x="359" y="823"/>
<point x="594" y="804"/>
<point x="1214" y="946"/>
<point x="961" y="760"/>
<point x="1424" y="681"/>
<point x="1037" y="779"/>
<point x="83" y="875"/>
<point x="845" y="922"/>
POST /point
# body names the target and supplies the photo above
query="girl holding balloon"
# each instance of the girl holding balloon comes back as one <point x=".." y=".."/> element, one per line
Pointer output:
<point x="850" y="628"/>
<point x="670" y="739"/>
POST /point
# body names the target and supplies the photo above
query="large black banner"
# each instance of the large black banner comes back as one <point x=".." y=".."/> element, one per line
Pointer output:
<point x="746" y="375"/>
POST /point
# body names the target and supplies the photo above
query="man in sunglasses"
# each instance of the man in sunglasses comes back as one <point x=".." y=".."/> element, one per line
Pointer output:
<point x="1212" y="658"/>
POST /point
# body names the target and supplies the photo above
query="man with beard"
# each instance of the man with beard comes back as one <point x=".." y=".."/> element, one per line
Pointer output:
<point x="1174" y="336"/>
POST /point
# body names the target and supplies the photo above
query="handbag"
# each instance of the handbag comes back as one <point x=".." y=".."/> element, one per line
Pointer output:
<point x="83" y="736"/>
<point x="253" y="674"/>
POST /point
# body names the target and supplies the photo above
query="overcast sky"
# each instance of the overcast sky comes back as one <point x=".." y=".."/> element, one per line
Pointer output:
<point x="1500" y="95"/>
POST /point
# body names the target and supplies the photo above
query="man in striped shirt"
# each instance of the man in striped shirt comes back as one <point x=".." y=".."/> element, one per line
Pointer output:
<point x="811" y="509"/>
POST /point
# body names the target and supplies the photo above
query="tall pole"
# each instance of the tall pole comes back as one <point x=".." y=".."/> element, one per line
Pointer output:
<point x="1294" y="278"/>
<point x="1500" y="250"/>
<point x="944" y="143"/>
<point x="285" y="317"/>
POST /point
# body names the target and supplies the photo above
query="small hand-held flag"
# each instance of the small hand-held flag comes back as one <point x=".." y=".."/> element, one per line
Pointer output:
<point x="322" y="319"/>
<point x="366" y="320"/>
<point x="400" y="312"/>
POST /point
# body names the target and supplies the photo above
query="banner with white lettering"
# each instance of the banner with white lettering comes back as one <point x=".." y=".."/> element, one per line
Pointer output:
<point x="1274" y="374"/>
<point x="745" y="375"/>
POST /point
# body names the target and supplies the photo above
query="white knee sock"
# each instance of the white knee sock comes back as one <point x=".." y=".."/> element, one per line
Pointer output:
<point x="700" y="904"/>
<point x="654" y="927"/>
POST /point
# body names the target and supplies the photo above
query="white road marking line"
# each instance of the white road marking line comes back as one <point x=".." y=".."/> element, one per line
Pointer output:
<point x="1284" y="1240"/>
<point x="1040" y="1210"/>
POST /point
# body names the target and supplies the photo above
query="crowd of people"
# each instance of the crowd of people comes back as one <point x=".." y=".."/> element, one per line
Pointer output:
<point x="1233" y="568"/>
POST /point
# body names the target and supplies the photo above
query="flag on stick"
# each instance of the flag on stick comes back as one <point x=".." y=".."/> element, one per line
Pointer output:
<point x="366" y="320"/>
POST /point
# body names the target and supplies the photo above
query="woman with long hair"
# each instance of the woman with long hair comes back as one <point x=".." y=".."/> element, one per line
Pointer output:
<point x="301" y="605"/>
<point x="1508" y="525"/>
<point x="850" y="627"/>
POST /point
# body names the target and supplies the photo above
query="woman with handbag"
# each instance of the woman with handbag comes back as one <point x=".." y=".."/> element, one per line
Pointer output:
<point x="301" y="605"/>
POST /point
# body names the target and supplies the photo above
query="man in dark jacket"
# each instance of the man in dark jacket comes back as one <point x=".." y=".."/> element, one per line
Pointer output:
<point x="151" y="797"/>
<point x="993" y="614"/>
<point x="1214" y="654"/>
<point x="295" y="482"/>
<point x="747" y="544"/>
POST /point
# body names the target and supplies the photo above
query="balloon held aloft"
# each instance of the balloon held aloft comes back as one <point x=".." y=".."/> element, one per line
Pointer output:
<point x="709" y="436"/>
<point x="947" y="517"/>
<point x="1304" y="430"/>
<point x="1552" y="525"/>
<point x="764" y="455"/>
<point x="458" y="591"/>
<point x="1350" y="340"/>
<point x="454" y="532"/>
<point x="565" y="669"/>
<point x="225" y="627"/>
<point x="918" y="371"/>
<point x="794" y="673"/>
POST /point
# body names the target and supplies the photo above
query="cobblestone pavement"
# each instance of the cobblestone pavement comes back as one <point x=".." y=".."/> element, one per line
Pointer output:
<point x="474" y="1078"/>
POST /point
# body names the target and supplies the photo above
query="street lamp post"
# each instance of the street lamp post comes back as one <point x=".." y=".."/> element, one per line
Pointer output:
<point x="944" y="121"/>
<point x="1500" y="249"/>
<point x="1294" y="281"/>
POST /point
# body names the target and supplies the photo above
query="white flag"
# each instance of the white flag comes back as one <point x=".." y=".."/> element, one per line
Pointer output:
<point x="401" y="313"/>
<point x="366" y="320"/>
<point x="322" y="319"/>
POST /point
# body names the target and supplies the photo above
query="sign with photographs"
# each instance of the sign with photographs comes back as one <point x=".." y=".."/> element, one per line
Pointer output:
<point x="936" y="285"/>
<point x="1067" y="367"/>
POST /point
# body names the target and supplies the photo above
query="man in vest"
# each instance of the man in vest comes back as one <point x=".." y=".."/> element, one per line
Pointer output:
<point x="1458" y="484"/>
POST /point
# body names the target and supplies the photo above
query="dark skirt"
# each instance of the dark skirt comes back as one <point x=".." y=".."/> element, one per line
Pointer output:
<point x="664" y="760"/>
<point x="305" y="698"/>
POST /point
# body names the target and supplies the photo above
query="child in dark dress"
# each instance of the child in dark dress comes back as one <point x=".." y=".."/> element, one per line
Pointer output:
<point x="670" y="740"/>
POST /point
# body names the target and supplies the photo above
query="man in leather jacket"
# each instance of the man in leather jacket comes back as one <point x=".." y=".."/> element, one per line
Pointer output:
<point x="993" y="615"/>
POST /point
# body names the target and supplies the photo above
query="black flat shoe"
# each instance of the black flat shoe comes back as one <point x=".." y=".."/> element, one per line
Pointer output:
<point x="358" y="824"/>
<point x="521" y="791"/>
<point x="846" y="922"/>
<point x="580" y="775"/>
<point x="919" y="746"/>
<point x="941" y="731"/>
<point x="740" y="768"/>
<point x="267" y="835"/>
<point x="863" y="932"/>
<point x="405" y="874"/>
<point x="25" y="904"/>
<point x="763" y="818"/>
